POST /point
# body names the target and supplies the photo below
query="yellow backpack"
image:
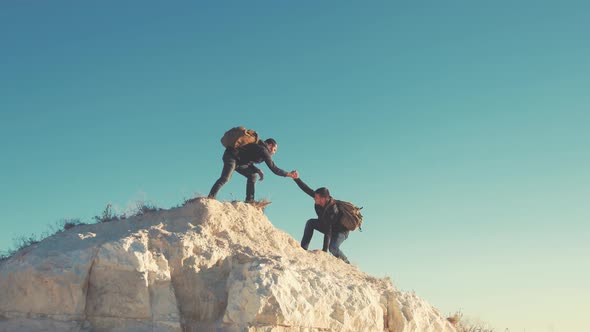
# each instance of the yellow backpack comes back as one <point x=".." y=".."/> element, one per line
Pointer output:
<point x="239" y="136"/>
<point x="351" y="215"/>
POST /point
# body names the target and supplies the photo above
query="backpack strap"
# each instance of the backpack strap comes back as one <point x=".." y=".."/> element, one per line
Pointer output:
<point x="332" y="203"/>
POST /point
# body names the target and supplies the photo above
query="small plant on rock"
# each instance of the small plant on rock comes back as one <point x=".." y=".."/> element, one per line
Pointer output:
<point x="466" y="326"/>
<point x="146" y="207"/>
<point x="107" y="215"/>
<point x="71" y="223"/>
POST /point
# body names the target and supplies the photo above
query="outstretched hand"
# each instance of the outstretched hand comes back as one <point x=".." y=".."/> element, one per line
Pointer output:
<point x="293" y="174"/>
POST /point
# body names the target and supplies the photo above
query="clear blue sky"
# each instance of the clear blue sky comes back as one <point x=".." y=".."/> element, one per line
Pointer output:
<point x="462" y="127"/>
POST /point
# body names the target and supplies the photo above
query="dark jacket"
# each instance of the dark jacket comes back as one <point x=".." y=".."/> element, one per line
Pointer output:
<point x="255" y="153"/>
<point x="328" y="215"/>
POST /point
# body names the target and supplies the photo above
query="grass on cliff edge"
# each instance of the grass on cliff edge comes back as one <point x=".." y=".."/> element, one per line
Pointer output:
<point x="107" y="215"/>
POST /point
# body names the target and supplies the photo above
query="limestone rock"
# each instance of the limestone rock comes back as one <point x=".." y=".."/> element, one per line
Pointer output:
<point x="206" y="266"/>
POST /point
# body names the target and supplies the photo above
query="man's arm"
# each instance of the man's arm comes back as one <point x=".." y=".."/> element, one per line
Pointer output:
<point x="272" y="166"/>
<point x="305" y="187"/>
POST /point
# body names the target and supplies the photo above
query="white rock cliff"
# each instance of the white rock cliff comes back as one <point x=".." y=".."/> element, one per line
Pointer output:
<point x="206" y="266"/>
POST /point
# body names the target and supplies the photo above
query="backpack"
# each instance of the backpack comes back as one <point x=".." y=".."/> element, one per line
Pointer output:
<point x="239" y="136"/>
<point x="351" y="215"/>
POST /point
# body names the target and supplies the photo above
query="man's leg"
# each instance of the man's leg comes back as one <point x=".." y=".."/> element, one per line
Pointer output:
<point x="310" y="226"/>
<point x="337" y="239"/>
<point x="229" y="164"/>
<point x="251" y="175"/>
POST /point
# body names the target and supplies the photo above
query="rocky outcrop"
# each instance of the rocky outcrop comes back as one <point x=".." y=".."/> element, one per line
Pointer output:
<point x="206" y="266"/>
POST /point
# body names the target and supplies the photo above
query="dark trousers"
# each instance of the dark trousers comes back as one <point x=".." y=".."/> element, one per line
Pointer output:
<point x="230" y="164"/>
<point x="336" y="238"/>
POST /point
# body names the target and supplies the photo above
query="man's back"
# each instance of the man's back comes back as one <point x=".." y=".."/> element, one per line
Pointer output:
<point x="330" y="216"/>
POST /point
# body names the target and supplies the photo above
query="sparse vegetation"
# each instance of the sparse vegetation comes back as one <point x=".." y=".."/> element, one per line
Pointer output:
<point x="23" y="242"/>
<point x="145" y="207"/>
<point x="107" y="215"/>
<point x="141" y="208"/>
<point x="71" y="223"/>
<point x="19" y="243"/>
<point x="466" y="326"/>
<point x="4" y="255"/>
<point x="455" y="319"/>
<point x="261" y="204"/>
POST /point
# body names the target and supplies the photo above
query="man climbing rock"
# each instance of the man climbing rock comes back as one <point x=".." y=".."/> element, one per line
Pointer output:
<point x="328" y="221"/>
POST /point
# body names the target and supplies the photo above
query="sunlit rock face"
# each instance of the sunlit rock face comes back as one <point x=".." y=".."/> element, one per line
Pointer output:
<point x="206" y="266"/>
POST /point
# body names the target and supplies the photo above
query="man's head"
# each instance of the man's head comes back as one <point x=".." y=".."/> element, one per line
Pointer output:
<point x="321" y="196"/>
<point x="272" y="145"/>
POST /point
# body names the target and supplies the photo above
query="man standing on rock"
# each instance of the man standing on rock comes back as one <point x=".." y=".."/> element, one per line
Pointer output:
<point x="328" y="221"/>
<point x="242" y="160"/>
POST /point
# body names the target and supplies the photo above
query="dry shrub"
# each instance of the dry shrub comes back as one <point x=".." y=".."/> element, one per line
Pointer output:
<point x="107" y="215"/>
<point x="467" y="326"/>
